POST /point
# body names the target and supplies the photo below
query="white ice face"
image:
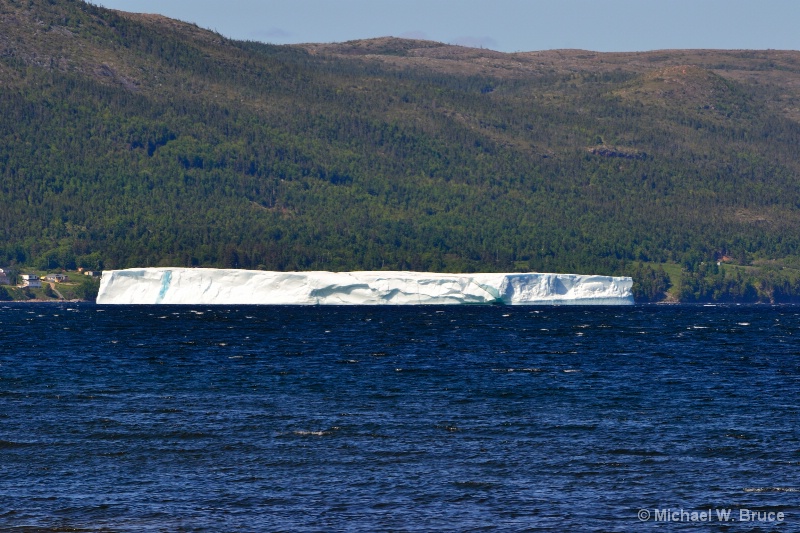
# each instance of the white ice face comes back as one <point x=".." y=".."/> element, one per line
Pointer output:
<point x="243" y="287"/>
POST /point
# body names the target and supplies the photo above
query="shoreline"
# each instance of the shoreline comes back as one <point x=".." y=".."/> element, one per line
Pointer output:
<point x="40" y="301"/>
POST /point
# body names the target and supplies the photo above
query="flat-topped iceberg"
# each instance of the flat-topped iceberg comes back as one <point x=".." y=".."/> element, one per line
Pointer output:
<point x="210" y="286"/>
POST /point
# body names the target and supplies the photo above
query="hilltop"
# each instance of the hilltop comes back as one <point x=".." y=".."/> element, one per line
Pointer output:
<point x="137" y="140"/>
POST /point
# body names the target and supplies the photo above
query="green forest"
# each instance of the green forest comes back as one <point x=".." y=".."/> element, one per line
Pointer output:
<point x="130" y="140"/>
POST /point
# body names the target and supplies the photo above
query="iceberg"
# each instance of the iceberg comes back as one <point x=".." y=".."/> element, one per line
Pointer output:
<point x="209" y="286"/>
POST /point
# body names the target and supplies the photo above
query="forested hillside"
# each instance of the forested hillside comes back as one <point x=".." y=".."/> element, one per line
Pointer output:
<point x="135" y="140"/>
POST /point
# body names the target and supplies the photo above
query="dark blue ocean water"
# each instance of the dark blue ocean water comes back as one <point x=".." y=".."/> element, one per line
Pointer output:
<point x="398" y="419"/>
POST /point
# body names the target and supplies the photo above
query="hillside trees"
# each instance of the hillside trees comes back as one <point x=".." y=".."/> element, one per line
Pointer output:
<point x="156" y="143"/>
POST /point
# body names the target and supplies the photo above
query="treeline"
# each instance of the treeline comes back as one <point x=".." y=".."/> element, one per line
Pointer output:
<point x="710" y="282"/>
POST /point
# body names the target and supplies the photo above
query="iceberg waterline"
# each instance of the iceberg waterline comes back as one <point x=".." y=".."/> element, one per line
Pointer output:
<point x="210" y="286"/>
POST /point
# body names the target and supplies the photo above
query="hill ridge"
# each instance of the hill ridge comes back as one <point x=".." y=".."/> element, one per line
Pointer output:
<point x="132" y="140"/>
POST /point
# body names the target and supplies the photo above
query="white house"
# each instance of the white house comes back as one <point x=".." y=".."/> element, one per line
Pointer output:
<point x="60" y="278"/>
<point x="31" y="280"/>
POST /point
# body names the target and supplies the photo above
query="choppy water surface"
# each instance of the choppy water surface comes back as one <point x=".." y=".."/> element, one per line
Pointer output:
<point x="404" y="419"/>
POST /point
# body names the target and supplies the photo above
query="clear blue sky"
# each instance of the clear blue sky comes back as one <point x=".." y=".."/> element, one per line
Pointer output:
<point x="505" y="25"/>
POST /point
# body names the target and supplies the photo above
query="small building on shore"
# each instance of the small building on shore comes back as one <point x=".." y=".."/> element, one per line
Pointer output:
<point x="31" y="280"/>
<point x="58" y="278"/>
<point x="4" y="277"/>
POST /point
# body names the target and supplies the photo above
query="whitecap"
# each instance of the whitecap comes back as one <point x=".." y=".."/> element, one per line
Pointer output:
<point x="319" y="433"/>
<point x="772" y="489"/>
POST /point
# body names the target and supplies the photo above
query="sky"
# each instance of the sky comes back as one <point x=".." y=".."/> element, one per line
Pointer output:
<point x="503" y="25"/>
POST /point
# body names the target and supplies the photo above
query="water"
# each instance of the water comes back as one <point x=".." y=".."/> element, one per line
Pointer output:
<point x="397" y="419"/>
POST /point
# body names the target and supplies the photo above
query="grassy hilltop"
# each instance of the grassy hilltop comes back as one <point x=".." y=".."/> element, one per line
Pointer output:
<point x="136" y="140"/>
